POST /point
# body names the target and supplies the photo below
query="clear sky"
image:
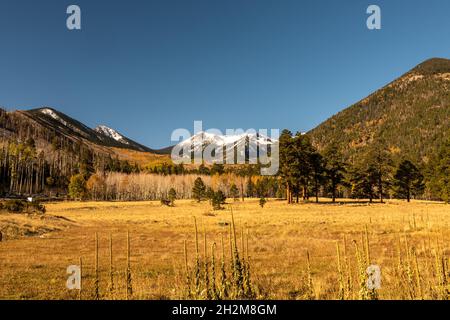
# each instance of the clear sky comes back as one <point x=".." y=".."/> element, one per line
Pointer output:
<point x="148" y="67"/>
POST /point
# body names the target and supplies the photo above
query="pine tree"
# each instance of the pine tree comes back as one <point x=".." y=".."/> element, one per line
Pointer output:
<point x="217" y="169"/>
<point x="438" y="173"/>
<point x="202" y="169"/>
<point x="234" y="192"/>
<point x="172" y="196"/>
<point x="262" y="202"/>
<point x="380" y="160"/>
<point x="408" y="181"/>
<point x="317" y="173"/>
<point x="199" y="190"/>
<point x="210" y="194"/>
<point x="302" y="164"/>
<point x="335" y="169"/>
<point x="218" y="200"/>
<point x="363" y="180"/>
<point x="250" y="188"/>
<point x="287" y="159"/>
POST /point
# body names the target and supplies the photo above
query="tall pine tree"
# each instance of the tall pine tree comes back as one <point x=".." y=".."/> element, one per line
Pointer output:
<point x="408" y="181"/>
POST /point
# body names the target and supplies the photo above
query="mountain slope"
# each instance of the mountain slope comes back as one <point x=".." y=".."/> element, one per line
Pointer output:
<point x="410" y="116"/>
<point x="69" y="126"/>
<point x="52" y="130"/>
<point x="124" y="141"/>
<point x="245" y="144"/>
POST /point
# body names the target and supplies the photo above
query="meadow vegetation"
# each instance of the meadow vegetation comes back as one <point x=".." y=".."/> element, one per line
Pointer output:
<point x="143" y="250"/>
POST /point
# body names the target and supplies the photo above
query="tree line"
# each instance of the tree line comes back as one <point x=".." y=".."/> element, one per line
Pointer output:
<point x="307" y="173"/>
<point x="36" y="160"/>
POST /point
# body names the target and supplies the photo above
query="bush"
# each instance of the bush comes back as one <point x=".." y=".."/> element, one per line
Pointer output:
<point x="165" y="202"/>
<point x="172" y="196"/>
<point x="36" y="206"/>
<point x="22" y="206"/>
<point x="234" y="192"/>
<point x="14" y="206"/>
<point x="77" y="187"/>
<point x="262" y="202"/>
<point x="218" y="199"/>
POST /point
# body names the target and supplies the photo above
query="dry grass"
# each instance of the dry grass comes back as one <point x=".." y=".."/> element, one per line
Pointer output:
<point x="141" y="158"/>
<point x="408" y="241"/>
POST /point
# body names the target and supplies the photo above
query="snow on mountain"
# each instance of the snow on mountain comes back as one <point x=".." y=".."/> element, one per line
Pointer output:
<point x="111" y="133"/>
<point x="53" y="114"/>
<point x="245" y="143"/>
<point x="77" y="127"/>
<point x="224" y="140"/>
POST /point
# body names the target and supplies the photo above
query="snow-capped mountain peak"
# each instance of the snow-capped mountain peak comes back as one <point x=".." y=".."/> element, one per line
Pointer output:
<point x="224" y="140"/>
<point x="244" y="143"/>
<point x="109" y="132"/>
<point x="53" y="114"/>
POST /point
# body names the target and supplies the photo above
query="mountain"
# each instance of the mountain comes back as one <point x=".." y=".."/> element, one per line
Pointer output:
<point x="245" y="144"/>
<point x="410" y="116"/>
<point x="64" y="125"/>
<point x="53" y="131"/>
<point x="101" y="135"/>
<point x="124" y="141"/>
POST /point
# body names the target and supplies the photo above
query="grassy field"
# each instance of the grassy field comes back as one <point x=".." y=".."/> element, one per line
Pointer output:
<point x="408" y="241"/>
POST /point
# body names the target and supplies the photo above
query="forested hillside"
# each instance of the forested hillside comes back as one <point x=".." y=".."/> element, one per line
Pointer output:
<point x="41" y="149"/>
<point x="410" y="117"/>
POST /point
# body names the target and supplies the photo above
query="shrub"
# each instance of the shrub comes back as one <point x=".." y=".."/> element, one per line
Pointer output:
<point x="234" y="192"/>
<point x="22" y="206"/>
<point x="14" y="206"/>
<point x="165" y="202"/>
<point x="77" y="187"/>
<point x="218" y="199"/>
<point x="262" y="202"/>
<point x="172" y="196"/>
<point x="36" y="206"/>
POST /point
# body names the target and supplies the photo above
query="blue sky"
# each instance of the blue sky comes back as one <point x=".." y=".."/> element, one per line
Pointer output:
<point x="148" y="67"/>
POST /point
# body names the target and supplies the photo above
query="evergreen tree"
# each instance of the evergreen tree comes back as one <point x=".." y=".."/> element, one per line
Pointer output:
<point x="202" y="169"/>
<point x="262" y="202"/>
<point x="438" y="175"/>
<point x="363" y="180"/>
<point x="250" y="188"/>
<point x="287" y="160"/>
<point x="218" y="200"/>
<point x="334" y="169"/>
<point x="172" y="196"/>
<point x="210" y="194"/>
<point x="234" y="192"/>
<point x="261" y="187"/>
<point x="317" y="173"/>
<point x="302" y="165"/>
<point x="217" y="169"/>
<point x="408" y="181"/>
<point x="380" y="161"/>
<point x="199" y="189"/>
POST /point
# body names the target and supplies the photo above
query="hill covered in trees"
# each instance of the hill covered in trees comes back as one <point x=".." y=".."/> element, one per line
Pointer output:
<point x="410" y="117"/>
<point x="41" y="149"/>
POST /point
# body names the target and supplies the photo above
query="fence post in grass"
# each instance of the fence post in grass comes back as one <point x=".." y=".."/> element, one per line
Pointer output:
<point x="96" y="281"/>
<point x="341" y="292"/>
<point x="81" y="279"/>
<point x="128" y="271"/>
<point x="111" y="267"/>
<point x="310" y="294"/>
